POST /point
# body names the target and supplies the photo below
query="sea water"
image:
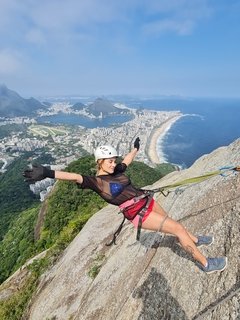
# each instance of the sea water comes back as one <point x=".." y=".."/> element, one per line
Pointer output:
<point x="206" y="125"/>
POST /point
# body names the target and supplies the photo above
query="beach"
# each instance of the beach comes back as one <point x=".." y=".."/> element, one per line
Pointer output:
<point x="157" y="156"/>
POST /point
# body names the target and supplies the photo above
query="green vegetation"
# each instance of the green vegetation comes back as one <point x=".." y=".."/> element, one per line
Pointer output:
<point x="142" y="175"/>
<point x="8" y="129"/>
<point x="14" y="307"/>
<point x="165" y="168"/>
<point x="15" y="195"/>
<point x="18" y="244"/>
<point x="96" y="267"/>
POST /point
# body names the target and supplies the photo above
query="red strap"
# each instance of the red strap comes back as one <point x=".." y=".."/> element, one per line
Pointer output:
<point x="141" y="215"/>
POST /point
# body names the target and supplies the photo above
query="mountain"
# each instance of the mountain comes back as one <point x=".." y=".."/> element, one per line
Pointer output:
<point x="13" y="105"/>
<point x="103" y="107"/>
<point x="78" y="106"/>
<point x="100" y="107"/>
<point x="92" y="281"/>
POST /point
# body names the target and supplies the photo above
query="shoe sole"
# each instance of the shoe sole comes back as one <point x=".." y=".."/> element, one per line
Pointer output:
<point x="220" y="270"/>
<point x="203" y="244"/>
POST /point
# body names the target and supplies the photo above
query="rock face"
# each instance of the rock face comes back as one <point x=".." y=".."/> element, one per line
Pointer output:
<point x="164" y="282"/>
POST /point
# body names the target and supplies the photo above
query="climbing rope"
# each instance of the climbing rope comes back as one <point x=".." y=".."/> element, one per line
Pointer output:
<point x="222" y="171"/>
<point x="226" y="297"/>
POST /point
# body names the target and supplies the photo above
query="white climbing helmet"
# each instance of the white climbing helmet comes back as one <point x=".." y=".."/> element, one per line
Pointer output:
<point x="104" y="152"/>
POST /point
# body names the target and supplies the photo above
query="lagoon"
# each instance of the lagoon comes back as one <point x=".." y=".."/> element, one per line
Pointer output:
<point x="74" y="119"/>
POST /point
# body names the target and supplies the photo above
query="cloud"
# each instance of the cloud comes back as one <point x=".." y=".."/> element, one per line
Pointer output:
<point x="159" y="27"/>
<point x="35" y="36"/>
<point x="61" y="14"/>
<point x="41" y="22"/>
<point x="184" y="8"/>
<point x="9" y="62"/>
<point x="176" y="16"/>
<point x="58" y="24"/>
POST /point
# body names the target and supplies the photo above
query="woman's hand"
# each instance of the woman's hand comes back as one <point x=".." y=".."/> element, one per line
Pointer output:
<point x="37" y="173"/>
<point x="137" y="143"/>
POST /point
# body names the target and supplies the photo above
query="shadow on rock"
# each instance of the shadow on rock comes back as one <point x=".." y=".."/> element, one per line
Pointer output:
<point x="158" y="303"/>
<point x="153" y="241"/>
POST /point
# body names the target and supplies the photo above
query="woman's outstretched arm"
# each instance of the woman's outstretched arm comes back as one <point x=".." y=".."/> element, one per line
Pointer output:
<point x="70" y="176"/>
<point x="38" y="172"/>
<point x="131" y="155"/>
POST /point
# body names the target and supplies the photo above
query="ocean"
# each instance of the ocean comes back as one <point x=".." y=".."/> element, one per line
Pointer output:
<point x="207" y="124"/>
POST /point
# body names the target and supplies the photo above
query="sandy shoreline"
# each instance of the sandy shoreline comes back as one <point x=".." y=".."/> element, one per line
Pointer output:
<point x="157" y="156"/>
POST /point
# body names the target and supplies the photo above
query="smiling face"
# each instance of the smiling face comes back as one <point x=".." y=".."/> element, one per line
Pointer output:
<point x="106" y="166"/>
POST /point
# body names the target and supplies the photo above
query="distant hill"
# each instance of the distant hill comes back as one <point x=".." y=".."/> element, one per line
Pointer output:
<point x="104" y="107"/>
<point x="12" y="104"/>
<point x="78" y="106"/>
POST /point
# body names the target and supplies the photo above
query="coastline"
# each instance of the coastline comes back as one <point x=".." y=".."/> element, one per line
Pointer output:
<point x="157" y="156"/>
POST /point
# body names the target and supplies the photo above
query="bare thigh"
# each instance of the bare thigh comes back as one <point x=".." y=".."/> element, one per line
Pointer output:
<point x="159" y="221"/>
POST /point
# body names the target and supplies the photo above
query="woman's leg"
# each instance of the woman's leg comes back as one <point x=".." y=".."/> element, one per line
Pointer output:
<point x="156" y="220"/>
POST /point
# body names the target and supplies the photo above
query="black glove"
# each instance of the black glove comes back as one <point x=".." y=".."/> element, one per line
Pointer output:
<point x="37" y="173"/>
<point x="137" y="143"/>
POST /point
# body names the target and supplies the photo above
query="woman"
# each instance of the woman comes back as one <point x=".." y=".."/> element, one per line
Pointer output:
<point x="139" y="207"/>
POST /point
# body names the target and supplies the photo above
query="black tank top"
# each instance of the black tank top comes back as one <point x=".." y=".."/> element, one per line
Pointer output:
<point x="114" y="188"/>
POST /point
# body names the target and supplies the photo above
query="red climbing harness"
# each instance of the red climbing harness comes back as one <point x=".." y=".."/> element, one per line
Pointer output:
<point x="131" y="208"/>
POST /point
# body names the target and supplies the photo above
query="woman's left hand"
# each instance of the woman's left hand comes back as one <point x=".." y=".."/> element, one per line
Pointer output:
<point x="137" y="143"/>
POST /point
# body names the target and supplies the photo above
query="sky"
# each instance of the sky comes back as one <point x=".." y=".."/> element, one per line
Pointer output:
<point x="135" y="47"/>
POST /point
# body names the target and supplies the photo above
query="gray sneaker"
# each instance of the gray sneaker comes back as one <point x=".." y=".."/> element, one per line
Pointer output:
<point x="204" y="240"/>
<point x="215" y="264"/>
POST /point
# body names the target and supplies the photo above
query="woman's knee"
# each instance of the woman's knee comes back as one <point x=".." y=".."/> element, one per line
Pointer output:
<point x="179" y="230"/>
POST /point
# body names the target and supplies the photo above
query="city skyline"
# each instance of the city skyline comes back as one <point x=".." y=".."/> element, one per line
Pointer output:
<point x="182" y="48"/>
